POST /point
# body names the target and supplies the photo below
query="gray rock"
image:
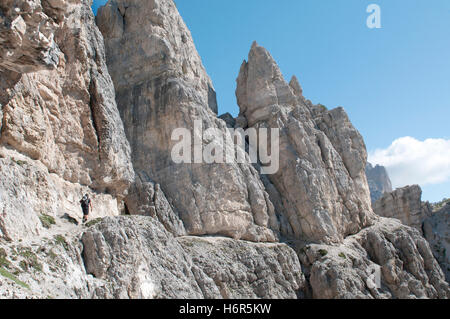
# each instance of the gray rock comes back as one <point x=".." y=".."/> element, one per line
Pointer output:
<point x="379" y="181"/>
<point x="437" y="232"/>
<point x="27" y="34"/>
<point x="28" y="191"/>
<point x="228" y="118"/>
<point x="398" y="254"/>
<point x="67" y="118"/>
<point x="161" y="85"/>
<point x="404" y="204"/>
<point x="62" y="137"/>
<point x="146" y="198"/>
<point x="321" y="178"/>
<point x="248" y="270"/>
<point x="139" y="259"/>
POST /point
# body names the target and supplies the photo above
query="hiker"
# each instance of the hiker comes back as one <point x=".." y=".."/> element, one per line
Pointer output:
<point x="85" y="205"/>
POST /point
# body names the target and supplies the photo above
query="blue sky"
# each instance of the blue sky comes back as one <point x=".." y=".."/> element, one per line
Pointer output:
<point x="394" y="81"/>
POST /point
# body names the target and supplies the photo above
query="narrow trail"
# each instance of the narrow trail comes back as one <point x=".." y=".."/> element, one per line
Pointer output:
<point x="32" y="267"/>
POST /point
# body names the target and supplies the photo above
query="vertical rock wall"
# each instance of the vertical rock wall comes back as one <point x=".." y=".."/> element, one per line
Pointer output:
<point x="322" y="156"/>
<point x="161" y="85"/>
<point x="59" y="120"/>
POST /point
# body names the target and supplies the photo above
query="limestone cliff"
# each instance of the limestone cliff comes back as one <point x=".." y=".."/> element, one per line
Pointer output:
<point x="324" y="191"/>
<point x="321" y="178"/>
<point x="161" y="85"/>
<point x="203" y="230"/>
<point x="27" y="34"/>
<point x="405" y="204"/>
<point x="61" y="133"/>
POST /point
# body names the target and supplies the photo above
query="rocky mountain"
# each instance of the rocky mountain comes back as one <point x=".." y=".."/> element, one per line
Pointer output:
<point x="89" y="109"/>
<point x="61" y="133"/>
<point x="436" y="229"/>
<point x="161" y="85"/>
<point x="406" y="205"/>
<point x="379" y="181"/>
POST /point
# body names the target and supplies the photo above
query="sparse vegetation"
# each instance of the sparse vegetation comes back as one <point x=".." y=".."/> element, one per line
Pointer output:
<point x="61" y="240"/>
<point x="52" y="254"/>
<point x="23" y="264"/>
<point x="4" y="262"/>
<point x="30" y="260"/>
<point x="71" y="220"/>
<point x="189" y="244"/>
<point x="342" y="255"/>
<point x="93" y="222"/>
<point x="323" y="252"/>
<point x="441" y="204"/>
<point x="19" y="162"/>
<point x="47" y="221"/>
<point x="7" y="274"/>
<point x="322" y="107"/>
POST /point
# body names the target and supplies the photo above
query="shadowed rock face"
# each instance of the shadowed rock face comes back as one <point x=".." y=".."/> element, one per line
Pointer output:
<point x="146" y="198"/>
<point x="161" y="85"/>
<point x="228" y="119"/>
<point x="322" y="156"/>
<point x="379" y="182"/>
<point x="437" y="231"/>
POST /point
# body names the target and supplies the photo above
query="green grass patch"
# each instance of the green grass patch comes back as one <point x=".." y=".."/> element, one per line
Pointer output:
<point x="323" y="252"/>
<point x="342" y="255"/>
<point x="61" y="240"/>
<point x="322" y="107"/>
<point x="19" y="162"/>
<point x="4" y="262"/>
<point x="10" y="276"/>
<point x="93" y="222"/>
<point x="47" y="221"/>
<point x="30" y="260"/>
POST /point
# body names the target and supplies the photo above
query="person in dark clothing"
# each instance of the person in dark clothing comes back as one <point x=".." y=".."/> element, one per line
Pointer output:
<point x="85" y="205"/>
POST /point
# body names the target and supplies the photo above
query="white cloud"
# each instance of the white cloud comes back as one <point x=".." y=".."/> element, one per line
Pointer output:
<point x="410" y="161"/>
